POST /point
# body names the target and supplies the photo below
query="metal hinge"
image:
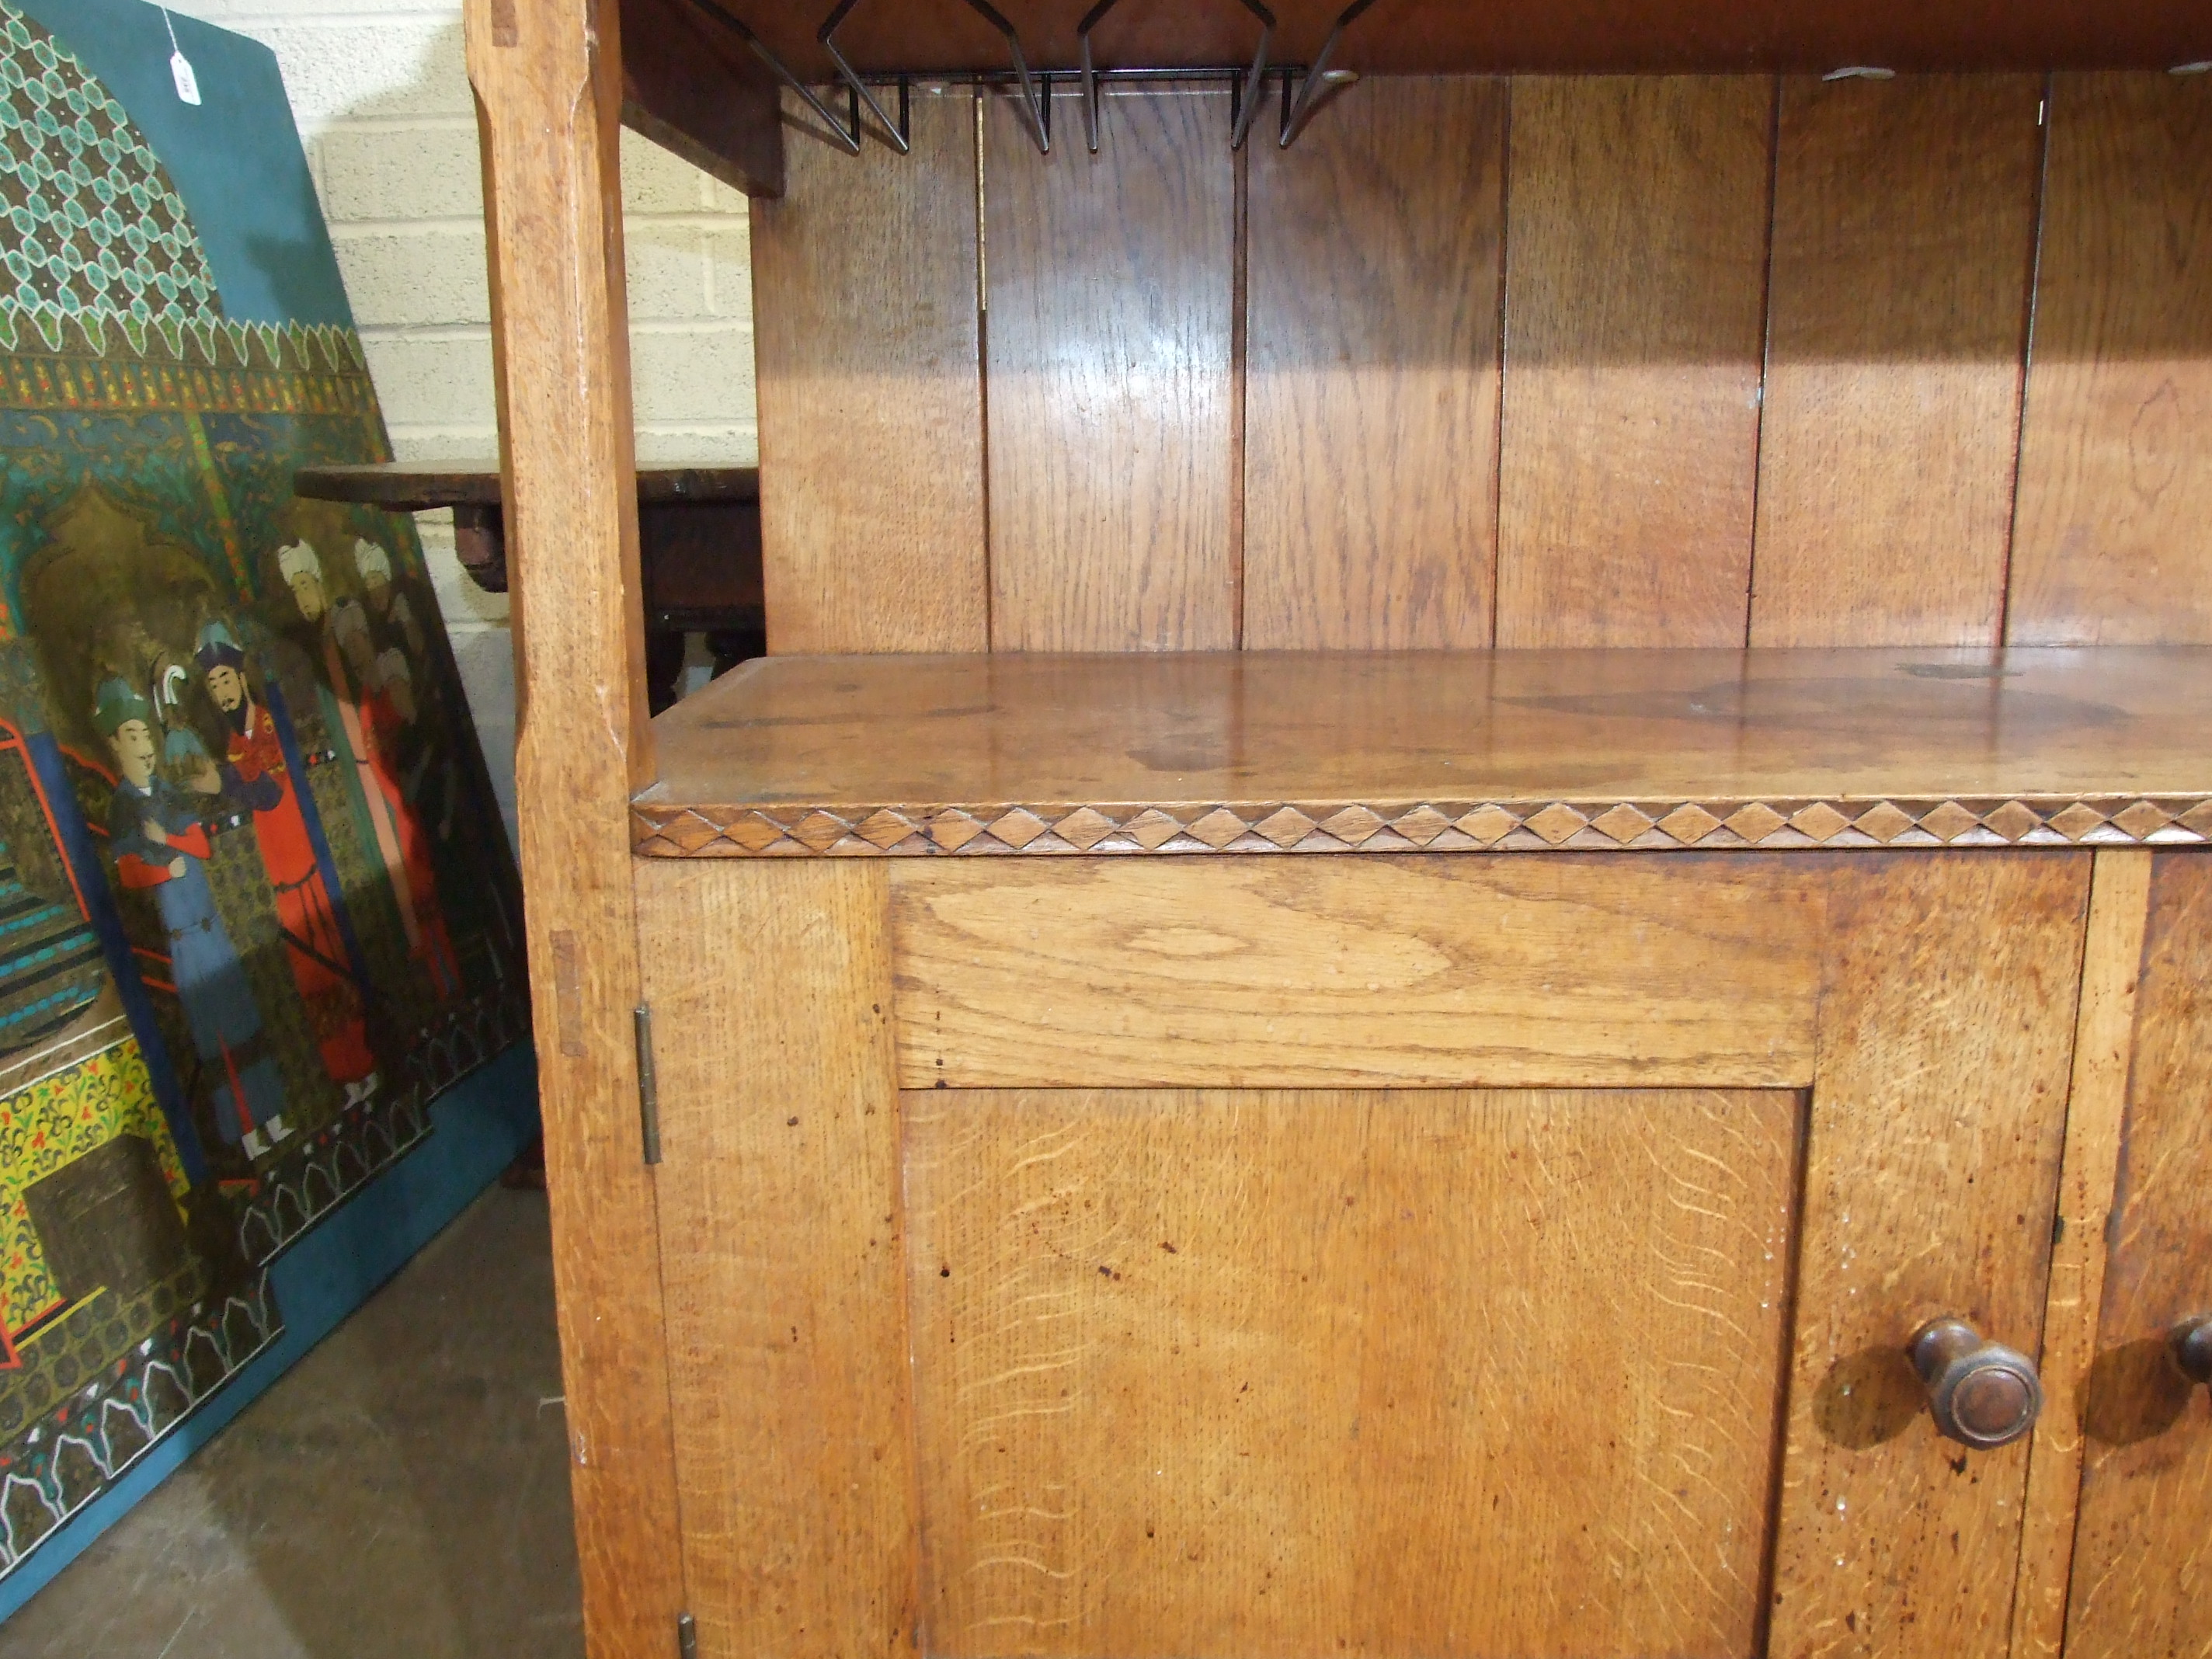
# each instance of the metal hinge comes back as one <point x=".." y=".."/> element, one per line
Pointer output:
<point x="687" y="1632"/>
<point x="648" y="1099"/>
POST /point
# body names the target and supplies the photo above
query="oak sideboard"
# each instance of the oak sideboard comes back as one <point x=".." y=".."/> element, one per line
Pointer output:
<point x="1466" y="912"/>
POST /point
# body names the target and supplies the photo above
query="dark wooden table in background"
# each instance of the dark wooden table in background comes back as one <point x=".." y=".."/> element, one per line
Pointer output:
<point x="699" y="545"/>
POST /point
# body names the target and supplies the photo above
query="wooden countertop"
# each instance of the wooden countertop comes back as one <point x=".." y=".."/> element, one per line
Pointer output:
<point x="1521" y="750"/>
<point x="419" y="486"/>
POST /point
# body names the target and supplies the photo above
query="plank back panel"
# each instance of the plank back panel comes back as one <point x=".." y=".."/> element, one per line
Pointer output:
<point x="1635" y="253"/>
<point x="1249" y="1373"/>
<point x="1904" y="235"/>
<point x="2115" y="538"/>
<point x="783" y="1267"/>
<point x="1938" y="1120"/>
<point x="2143" y="1581"/>
<point x="871" y="393"/>
<point x="1495" y="971"/>
<point x="1371" y="436"/>
<point x="1110" y="284"/>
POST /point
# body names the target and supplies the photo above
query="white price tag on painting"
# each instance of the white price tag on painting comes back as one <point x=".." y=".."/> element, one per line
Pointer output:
<point x="181" y="67"/>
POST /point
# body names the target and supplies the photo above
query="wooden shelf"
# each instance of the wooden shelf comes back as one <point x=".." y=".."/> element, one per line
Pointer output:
<point x="1532" y="750"/>
<point x="424" y="486"/>
<point x="1448" y="37"/>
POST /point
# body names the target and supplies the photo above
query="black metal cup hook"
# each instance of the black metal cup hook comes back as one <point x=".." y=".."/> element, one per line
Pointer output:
<point x="1322" y="83"/>
<point x="1254" y="80"/>
<point x="849" y="141"/>
<point x="1040" y="122"/>
<point x="857" y="91"/>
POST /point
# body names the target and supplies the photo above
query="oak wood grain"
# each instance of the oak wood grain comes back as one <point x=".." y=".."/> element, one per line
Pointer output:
<point x="2115" y="536"/>
<point x="783" y="1264"/>
<point x="2143" y="1582"/>
<point x="1370" y="428"/>
<point x="870" y="395"/>
<point x="549" y="93"/>
<point x="1946" y="1021"/>
<point x="1405" y="972"/>
<point x="1904" y="234"/>
<point x="1276" y="1374"/>
<point x="1397" y="751"/>
<point x="2096" y="1107"/>
<point x="1636" y="251"/>
<point x="1109" y="283"/>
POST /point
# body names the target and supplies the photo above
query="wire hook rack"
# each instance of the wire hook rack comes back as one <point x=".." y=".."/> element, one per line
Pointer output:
<point x="1304" y="90"/>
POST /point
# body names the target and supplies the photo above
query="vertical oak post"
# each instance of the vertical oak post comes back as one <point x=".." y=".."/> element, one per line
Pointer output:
<point x="547" y="77"/>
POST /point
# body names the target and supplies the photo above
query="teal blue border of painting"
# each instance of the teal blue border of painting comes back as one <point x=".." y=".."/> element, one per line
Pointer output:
<point x="481" y="1123"/>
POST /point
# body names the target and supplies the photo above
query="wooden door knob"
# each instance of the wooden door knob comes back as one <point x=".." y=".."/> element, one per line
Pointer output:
<point x="2192" y="1347"/>
<point x="1983" y="1394"/>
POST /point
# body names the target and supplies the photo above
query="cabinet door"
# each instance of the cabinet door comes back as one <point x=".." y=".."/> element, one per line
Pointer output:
<point x="1274" y="1373"/>
<point x="1429" y="1257"/>
<point x="2143" y="1559"/>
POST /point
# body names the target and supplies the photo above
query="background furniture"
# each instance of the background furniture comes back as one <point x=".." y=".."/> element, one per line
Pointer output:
<point x="698" y="545"/>
<point x="1460" y="915"/>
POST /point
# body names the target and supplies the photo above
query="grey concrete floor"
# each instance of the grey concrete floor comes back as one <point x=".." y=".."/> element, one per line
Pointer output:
<point x="403" y="1490"/>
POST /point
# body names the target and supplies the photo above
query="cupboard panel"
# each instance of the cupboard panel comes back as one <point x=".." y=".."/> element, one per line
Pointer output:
<point x="1939" y="1112"/>
<point x="1500" y="971"/>
<point x="781" y="1260"/>
<point x="2142" y="1553"/>
<point x="1266" y="1375"/>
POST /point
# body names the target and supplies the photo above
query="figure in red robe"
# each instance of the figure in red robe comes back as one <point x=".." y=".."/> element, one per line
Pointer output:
<point x="385" y="699"/>
<point x="255" y="771"/>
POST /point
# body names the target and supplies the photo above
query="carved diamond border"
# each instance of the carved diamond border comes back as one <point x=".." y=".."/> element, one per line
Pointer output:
<point x="1538" y="826"/>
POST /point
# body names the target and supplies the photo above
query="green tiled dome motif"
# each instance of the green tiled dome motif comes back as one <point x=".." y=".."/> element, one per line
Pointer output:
<point x="94" y="235"/>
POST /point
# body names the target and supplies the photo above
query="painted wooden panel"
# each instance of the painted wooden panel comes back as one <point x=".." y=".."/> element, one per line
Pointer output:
<point x="871" y="393"/>
<point x="1110" y="281"/>
<point x="2115" y="536"/>
<point x="1295" y="972"/>
<point x="1946" y="1021"/>
<point x="1276" y="1375"/>
<point x="782" y="1265"/>
<point x="1371" y="436"/>
<point x="1636" y="274"/>
<point x="2142" y="1559"/>
<point x="1903" y="236"/>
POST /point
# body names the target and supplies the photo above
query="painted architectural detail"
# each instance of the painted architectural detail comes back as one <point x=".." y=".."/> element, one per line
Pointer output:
<point x="98" y="238"/>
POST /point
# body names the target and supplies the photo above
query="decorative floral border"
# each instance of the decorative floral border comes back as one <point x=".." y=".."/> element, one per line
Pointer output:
<point x="1543" y="826"/>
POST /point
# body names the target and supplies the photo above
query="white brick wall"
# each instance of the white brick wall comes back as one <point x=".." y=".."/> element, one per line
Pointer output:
<point x="380" y="91"/>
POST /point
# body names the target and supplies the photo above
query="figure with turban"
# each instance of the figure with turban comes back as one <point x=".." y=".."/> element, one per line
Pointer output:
<point x="256" y="772"/>
<point x="161" y="846"/>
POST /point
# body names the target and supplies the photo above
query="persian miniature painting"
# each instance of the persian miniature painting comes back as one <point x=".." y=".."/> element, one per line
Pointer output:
<point x="256" y="903"/>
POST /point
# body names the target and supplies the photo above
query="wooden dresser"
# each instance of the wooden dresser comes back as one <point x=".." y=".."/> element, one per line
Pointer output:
<point x="1467" y="913"/>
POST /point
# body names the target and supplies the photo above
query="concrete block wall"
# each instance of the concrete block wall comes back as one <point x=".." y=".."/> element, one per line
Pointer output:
<point x="380" y="91"/>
